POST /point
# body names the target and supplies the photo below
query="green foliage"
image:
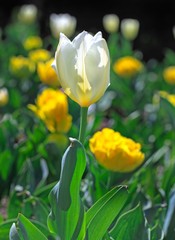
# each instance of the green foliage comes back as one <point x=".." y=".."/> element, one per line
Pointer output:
<point x="54" y="190"/>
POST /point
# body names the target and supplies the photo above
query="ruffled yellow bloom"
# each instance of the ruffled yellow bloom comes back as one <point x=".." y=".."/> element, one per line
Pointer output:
<point x="32" y="42"/>
<point x="47" y="74"/>
<point x="4" y="96"/>
<point x="169" y="74"/>
<point x="169" y="97"/>
<point x="83" y="67"/>
<point x="21" y="67"/>
<point x="40" y="55"/>
<point x="52" y="108"/>
<point x="116" y="152"/>
<point x="127" y="66"/>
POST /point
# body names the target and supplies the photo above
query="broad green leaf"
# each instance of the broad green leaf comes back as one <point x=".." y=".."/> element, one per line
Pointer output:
<point x="130" y="226"/>
<point x="66" y="218"/>
<point x="101" y="215"/>
<point x="26" y="230"/>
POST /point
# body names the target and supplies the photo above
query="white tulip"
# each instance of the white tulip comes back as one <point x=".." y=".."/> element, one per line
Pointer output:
<point x="64" y="23"/>
<point x="27" y="13"/>
<point x="130" y="28"/>
<point x="111" y="23"/>
<point x="83" y="67"/>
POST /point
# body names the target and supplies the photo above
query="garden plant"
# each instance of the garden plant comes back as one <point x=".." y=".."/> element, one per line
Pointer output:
<point x="87" y="132"/>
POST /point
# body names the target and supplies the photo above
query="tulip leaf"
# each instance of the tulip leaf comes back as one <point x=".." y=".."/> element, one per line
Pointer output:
<point x="67" y="218"/>
<point x="25" y="230"/>
<point x="130" y="226"/>
<point x="101" y="215"/>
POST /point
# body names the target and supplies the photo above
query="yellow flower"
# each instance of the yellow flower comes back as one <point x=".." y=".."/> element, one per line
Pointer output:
<point x="39" y="55"/>
<point x="116" y="152"/>
<point x="52" y="108"/>
<point x="127" y="66"/>
<point x="4" y="97"/>
<point x="32" y="42"/>
<point x="47" y="74"/>
<point x="169" y="74"/>
<point x="83" y="67"/>
<point x="21" y="67"/>
<point x="169" y="97"/>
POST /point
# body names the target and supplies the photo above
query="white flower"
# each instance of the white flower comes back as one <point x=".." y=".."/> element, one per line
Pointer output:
<point x="111" y="23"/>
<point x="83" y="67"/>
<point x="27" y="13"/>
<point x="130" y="28"/>
<point x="64" y="23"/>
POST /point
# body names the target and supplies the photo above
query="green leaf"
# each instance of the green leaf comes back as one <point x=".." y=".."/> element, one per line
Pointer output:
<point x="66" y="218"/>
<point x="25" y="230"/>
<point x="4" y="229"/>
<point x="6" y="163"/>
<point x="101" y="215"/>
<point x="130" y="226"/>
<point x="169" y="223"/>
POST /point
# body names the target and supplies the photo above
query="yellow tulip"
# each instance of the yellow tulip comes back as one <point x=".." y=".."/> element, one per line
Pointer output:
<point x="116" y="152"/>
<point x="32" y="42"/>
<point x="169" y="75"/>
<point x="127" y="66"/>
<point x="4" y="96"/>
<point x="47" y="74"/>
<point x="52" y="108"/>
<point x="83" y="67"/>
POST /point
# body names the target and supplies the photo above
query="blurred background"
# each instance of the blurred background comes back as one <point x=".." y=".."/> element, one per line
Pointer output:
<point x="157" y="19"/>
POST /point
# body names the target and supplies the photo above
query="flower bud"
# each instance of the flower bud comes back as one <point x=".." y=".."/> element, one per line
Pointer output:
<point x="64" y="23"/>
<point x="111" y="23"/>
<point x="130" y="28"/>
<point x="83" y="67"/>
<point x="4" y="96"/>
<point x="27" y="13"/>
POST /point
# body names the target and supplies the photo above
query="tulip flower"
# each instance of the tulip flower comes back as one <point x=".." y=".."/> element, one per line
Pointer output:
<point x="130" y="28"/>
<point x="83" y="67"/>
<point x="4" y="96"/>
<point x="116" y="152"/>
<point x="169" y="74"/>
<point x="64" y="23"/>
<point x="111" y="23"/>
<point x="27" y="13"/>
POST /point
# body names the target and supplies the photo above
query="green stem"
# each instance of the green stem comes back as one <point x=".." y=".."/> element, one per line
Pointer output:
<point x="83" y="123"/>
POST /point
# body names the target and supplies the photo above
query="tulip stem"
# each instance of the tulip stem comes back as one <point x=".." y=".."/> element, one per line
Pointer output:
<point x="83" y="123"/>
